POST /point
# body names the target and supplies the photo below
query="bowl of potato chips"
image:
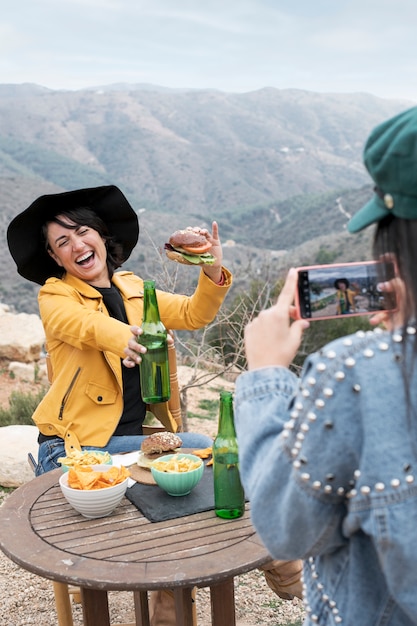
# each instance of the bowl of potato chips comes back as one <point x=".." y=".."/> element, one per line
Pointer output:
<point x="95" y="490"/>
<point x="178" y="473"/>
<point x="82" y="458"/>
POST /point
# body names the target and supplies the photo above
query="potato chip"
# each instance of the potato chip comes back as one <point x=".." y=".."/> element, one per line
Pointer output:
<point x="86" y="478"/>
<point x="85" y="457"/>
<point x="203" y="453"/>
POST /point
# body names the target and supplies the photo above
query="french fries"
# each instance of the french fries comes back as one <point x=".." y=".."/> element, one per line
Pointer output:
<point x="176" y="464"/>
<point x="85" y="457"/>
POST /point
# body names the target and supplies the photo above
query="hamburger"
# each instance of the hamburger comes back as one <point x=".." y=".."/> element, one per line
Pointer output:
<point x="189" y="248"/>
<point x="157" y="445"/>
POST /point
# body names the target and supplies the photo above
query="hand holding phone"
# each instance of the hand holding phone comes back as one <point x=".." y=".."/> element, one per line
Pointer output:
<point x="344" y="289"/>
<point x="272" y="338"/>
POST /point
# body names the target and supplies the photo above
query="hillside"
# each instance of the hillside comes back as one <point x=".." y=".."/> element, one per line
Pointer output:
<point x="195" y="150"/>
<point x="276" y="168"/>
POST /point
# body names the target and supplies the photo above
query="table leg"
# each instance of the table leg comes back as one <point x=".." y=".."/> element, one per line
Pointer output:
<point x="222" y="598"/>
<point x="63" y="604"/>
<point x="185" y="607"/>
<point x="141" y="608"/>
<point x="95" y="607"/>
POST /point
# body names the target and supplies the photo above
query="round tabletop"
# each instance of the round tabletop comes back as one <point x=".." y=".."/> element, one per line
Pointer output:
<point x="125" y="551"/>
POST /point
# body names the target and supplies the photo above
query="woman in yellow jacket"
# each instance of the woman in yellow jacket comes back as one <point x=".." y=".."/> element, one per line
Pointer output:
<point x="71" y="243"/>
<point x="345" y="297"/>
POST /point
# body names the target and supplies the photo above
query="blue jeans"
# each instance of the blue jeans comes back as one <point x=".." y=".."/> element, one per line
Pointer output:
<point x="51" y="450"/>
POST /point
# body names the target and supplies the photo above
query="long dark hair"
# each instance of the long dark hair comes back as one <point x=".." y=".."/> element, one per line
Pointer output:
<point x="398" y="237"/>
<point x="84" y="216"/>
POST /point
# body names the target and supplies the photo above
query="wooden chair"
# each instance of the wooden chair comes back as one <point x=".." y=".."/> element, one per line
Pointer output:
<point x="64" y="593"/>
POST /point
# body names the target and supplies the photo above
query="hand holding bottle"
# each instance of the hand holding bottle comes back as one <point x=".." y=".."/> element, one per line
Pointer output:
<point x="135" y="349"/>
<point x="154" y="365"/>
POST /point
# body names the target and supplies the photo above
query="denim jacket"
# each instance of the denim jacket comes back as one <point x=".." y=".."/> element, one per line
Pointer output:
<point x="329" y="463"/>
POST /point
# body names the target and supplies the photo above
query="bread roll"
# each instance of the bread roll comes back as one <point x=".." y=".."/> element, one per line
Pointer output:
<point x="160" y="442"/>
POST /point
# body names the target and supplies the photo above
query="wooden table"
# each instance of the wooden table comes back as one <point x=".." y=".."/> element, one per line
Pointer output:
<point x="125" y="551"/>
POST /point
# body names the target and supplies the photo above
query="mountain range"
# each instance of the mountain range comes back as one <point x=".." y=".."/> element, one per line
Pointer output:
<point x="280" y="170"/>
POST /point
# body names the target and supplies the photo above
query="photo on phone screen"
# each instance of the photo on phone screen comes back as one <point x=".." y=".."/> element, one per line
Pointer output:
<point x="332" y="291"/>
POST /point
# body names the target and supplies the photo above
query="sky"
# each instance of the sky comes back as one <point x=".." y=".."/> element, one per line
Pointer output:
<point x="330" y="46"/>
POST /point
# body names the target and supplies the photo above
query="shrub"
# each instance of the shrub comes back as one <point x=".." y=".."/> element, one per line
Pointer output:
<point x="22" y="406"/>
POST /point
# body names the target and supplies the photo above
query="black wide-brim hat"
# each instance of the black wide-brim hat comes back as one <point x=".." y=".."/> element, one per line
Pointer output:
<point x="24" y="234"/>
<point x="341" y="280"/>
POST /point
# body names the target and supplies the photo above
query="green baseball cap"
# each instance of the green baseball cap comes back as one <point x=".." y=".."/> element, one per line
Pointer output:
<point x="390" y="156"/>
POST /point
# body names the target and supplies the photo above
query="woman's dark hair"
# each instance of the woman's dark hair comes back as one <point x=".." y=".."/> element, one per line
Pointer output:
<point x="398" y="237"/>
<point x="84" y="216"/>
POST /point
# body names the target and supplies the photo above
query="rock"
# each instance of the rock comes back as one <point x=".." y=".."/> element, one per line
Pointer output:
<point x="21" y="337"/>
<point x="29" y="372"/>
<point x="15" y="443"/>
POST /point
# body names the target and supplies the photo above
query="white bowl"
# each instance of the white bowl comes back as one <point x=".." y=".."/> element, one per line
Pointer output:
<point x="93" y="503"/>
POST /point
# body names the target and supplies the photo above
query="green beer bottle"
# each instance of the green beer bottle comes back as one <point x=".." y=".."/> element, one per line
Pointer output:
<point x="229" y="498"/>
<point x="154" y="369"/>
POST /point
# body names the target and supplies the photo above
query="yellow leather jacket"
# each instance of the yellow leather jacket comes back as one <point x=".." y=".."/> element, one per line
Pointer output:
<point x="84" y="403"/>
<point x="350" y="294"/>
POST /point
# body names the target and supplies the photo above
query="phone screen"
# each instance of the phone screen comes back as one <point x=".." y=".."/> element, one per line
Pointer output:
<point x="332" y="291"/>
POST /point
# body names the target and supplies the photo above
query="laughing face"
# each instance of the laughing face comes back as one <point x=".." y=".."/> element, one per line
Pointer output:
<point x="80" y="250"/>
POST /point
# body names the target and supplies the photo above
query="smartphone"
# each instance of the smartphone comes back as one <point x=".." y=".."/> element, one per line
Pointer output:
<point x="345" y="289"/>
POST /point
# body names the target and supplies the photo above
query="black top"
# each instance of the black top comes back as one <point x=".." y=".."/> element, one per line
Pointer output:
<point x="134" y="409"/>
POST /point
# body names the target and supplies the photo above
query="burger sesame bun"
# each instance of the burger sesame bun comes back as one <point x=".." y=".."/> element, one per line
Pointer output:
<point x="159" y="443"/>
<point x="155" y="446"/>
<point x="190" y="241"/>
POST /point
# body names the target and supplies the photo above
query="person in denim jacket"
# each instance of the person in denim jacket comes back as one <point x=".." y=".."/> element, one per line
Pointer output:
<point x="329" y="459"/>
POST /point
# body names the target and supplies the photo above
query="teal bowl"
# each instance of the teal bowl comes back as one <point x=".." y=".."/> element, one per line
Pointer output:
<point x="106" y="459"/>
<point x="178" y="483"/>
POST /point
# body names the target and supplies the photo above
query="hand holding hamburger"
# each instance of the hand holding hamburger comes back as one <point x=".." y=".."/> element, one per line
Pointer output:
<point x="189" y="247"/>
<point x="196" y="246"/>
